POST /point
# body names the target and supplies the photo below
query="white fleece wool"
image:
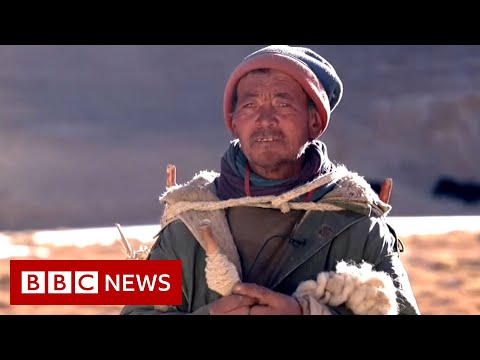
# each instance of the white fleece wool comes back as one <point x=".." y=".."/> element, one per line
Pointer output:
<point x="221" y="274"/>
<point x="360" y="288"/>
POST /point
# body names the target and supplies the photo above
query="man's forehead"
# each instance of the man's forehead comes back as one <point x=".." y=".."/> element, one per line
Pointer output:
<point x="283" y="81"/>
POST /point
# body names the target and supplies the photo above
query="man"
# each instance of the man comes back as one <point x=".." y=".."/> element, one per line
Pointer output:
<point x="302" y="234"/>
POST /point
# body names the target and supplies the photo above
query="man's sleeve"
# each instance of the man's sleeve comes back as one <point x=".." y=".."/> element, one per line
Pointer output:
<point x="162" y="249"/>
<point x="382" y="250"/>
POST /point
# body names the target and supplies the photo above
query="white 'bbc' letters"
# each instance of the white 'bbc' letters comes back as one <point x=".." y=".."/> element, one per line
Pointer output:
<point x="59" y="282"/>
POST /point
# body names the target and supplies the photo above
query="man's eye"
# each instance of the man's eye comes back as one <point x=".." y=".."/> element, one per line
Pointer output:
<point x="248" y="105"/>
<point x="282" y="104"/>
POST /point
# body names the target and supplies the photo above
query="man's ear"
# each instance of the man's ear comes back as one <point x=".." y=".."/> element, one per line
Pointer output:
<point x="314" y="123"/>
<point x="234" y="127"/>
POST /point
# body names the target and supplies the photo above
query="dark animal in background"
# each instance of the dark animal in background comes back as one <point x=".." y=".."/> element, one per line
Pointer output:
<point x="468" y="192"/>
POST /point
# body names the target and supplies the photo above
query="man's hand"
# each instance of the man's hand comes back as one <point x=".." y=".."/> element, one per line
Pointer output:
<point x="232" y="305"/>
<point x="269" y="302"/>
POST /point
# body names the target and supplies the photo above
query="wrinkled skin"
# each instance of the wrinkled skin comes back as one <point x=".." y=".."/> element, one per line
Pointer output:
<point x="274" y="123"/>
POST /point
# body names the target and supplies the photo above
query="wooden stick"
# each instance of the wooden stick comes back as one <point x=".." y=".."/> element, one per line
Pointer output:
<point x="127" y="248"/>
<point x="171" y="175"/>
<point x="386" y="190"/>
<point x="211" y="246"/>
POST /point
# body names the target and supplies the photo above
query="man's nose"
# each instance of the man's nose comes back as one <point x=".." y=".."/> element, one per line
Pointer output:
<point x="267" y="116"/>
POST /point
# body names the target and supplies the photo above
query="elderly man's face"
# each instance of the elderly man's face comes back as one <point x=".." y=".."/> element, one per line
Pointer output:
<point x="273" y="122"/>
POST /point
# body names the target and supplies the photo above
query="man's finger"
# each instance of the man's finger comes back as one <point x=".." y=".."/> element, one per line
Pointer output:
<point x="261" y="293"/>
<point x="244" y="300"/>
<point x="238" y="300"/>
<point x="244" y="310"/>
<point x="230" y="303"/>
<point x="260" y="310"/>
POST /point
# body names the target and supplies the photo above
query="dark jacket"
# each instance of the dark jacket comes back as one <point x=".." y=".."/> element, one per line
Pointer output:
<point x="348" y="224"/>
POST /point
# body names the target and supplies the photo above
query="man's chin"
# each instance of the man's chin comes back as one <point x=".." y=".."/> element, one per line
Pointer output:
<point x="267" y="161"/>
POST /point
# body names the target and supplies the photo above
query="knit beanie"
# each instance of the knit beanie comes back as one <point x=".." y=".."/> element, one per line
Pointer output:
<point x="316" y="75"/>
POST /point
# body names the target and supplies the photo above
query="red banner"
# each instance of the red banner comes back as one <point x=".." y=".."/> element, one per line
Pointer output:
<point x="95" y="282"/>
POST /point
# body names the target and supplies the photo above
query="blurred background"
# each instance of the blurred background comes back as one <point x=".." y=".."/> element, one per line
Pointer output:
<point x="86" y="133"/>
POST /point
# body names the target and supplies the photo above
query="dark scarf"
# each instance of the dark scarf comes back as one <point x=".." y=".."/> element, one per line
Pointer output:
<point x="231" y="183"/>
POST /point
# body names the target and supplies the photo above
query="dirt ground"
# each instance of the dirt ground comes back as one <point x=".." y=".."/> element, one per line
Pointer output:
<point x="444" y="271"/>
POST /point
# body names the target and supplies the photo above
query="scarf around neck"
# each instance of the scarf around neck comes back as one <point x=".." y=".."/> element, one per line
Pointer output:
<point x="232" y="184"/>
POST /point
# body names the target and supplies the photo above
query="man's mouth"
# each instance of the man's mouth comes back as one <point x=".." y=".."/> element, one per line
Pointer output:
<point x="266" y="139"/>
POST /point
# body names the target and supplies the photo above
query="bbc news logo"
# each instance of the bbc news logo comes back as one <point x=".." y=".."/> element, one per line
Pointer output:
<point x="95" y="282"/>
